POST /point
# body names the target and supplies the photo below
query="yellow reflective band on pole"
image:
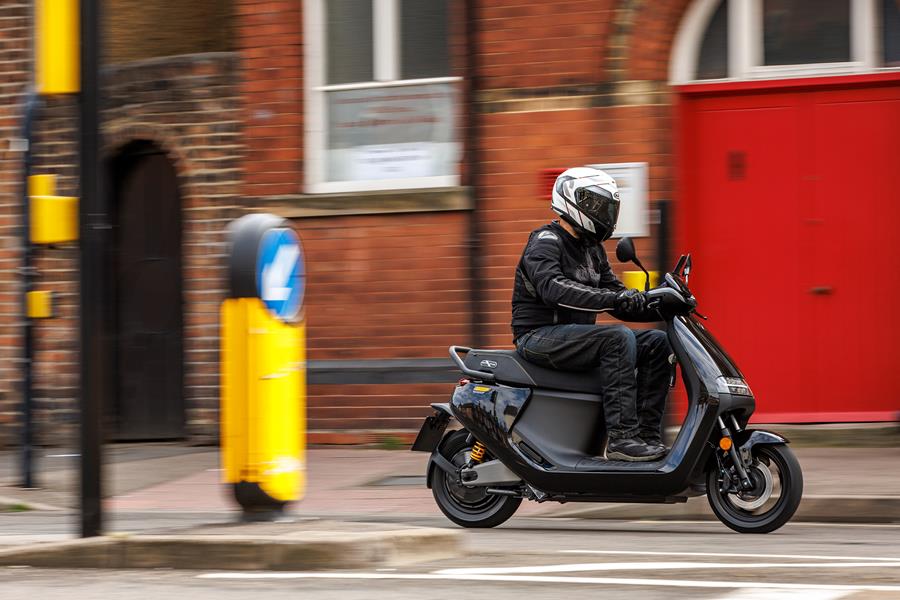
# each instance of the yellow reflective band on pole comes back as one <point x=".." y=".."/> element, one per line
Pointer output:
<point x="40" y="304"/>
<point x="56" y="47"/>
<point x="54" y="219"/>
<point x="42" y="185"/>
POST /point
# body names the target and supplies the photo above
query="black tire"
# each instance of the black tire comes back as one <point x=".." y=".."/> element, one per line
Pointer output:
<point x="774" y="512"/>
<point x="467" y="506"/>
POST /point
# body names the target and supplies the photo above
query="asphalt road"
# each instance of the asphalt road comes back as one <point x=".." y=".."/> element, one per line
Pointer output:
<point x="549" y="558"/>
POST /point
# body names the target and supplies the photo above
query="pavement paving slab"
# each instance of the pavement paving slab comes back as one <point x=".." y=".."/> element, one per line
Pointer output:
<point x="847" y="484"/>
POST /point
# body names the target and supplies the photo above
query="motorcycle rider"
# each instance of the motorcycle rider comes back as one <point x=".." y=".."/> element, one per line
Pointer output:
<point x="562" y="282"/>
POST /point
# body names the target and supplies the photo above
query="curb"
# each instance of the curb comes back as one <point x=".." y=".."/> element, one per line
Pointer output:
<point x="323" y="550"/>
<point x="8" y="504"/>
<point x="818" y="509"/>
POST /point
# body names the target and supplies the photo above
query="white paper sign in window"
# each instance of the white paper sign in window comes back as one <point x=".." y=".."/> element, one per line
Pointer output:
<point x="632" y="181"/>
<point x="392" y="132"/>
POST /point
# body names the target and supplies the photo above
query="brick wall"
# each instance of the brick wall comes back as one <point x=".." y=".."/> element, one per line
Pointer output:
<point x="560" y="83"/>
<point x="385" y="287"/>
<point x="15" y="63"/>
<point x="186" y="105"/>
<point x="137" y="29"/>
<point x="269" y="38"/>
<point x="531" y="44"/>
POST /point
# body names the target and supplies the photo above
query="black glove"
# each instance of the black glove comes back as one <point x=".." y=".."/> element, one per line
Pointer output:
<point x="631" y="301"/>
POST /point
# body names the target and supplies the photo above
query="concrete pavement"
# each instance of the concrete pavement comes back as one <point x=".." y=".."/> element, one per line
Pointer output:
<point x="353" y="481"/>
<point x="160" y="492"/>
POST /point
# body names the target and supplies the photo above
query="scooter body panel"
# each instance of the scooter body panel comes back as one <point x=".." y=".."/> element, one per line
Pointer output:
<point x="549" y="437"/>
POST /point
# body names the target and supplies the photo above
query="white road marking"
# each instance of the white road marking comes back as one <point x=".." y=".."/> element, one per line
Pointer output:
<point x="698" y="522"/>
<point x="786" y="595"/>
<point x="729" y="555"/>
<point x="685" y="583"/>
<point x="655" y="566"/>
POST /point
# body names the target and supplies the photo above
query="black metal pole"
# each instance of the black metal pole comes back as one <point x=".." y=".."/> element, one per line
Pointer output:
<point x="473" y="171"/>
<point x="93" y="232"/>
<point x="32" y="103"/>
<point x="664" y="237"/>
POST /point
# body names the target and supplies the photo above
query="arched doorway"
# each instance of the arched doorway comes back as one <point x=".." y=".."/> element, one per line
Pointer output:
<point x="787" y="188"/>
<point x="148" y="286"/>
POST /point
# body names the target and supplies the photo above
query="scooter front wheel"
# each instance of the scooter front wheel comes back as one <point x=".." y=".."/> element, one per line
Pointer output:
<point x="464" y="505"/>
<point x="777" y="489"/>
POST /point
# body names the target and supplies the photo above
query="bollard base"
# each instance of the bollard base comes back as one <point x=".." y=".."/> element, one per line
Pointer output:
<point x="263" y="516"/>
<point x="257" y="505"/>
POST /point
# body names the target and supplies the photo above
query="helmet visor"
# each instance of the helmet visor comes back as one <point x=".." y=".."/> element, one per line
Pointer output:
<point x="599" y="205"/>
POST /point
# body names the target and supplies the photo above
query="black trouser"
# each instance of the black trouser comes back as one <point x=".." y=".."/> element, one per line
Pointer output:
<point x="634" y="369"/>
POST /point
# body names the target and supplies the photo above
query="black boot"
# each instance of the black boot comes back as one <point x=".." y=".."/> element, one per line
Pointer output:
<point x="654" y="441"/>
<point x="632" y="450"/>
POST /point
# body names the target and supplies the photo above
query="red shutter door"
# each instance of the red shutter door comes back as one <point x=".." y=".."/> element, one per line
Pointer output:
<point x="790" y="201"/>
<point x="856" y="267"/>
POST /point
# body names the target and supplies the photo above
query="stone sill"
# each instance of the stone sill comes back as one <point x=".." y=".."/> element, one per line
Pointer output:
<point x="304" y="206"/>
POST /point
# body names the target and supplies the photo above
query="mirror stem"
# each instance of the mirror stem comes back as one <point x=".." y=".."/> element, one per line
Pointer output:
<point x="646" y="274"/>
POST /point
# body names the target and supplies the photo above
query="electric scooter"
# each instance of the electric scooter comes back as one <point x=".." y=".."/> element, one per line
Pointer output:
<point x="527" y="432"/>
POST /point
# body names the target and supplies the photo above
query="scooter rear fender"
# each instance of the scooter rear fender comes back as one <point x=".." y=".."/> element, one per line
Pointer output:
<point x="430" y="437"/>
<point x="432" y="431"/>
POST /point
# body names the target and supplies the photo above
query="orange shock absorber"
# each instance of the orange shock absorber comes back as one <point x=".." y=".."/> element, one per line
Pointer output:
<point x="478" y="452"/>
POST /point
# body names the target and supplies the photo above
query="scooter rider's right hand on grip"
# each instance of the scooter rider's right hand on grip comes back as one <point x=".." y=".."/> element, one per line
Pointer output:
<point x="630" y="301"/>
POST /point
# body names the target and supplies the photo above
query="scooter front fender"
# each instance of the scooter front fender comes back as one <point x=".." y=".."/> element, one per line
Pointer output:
<point x="745" y="440"/>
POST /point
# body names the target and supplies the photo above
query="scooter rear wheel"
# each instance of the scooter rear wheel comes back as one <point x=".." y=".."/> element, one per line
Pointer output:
<point x="778" y="488"/>
<point x="464" y="505"/>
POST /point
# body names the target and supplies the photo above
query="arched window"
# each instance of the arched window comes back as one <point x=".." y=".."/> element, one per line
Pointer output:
<point x="767" y="39"/>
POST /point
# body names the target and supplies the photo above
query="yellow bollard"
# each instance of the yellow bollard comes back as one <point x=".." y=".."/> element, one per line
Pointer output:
<point x="263" y="403"/>
<point x="636" y="279"/>
<point x="263" y="385"/>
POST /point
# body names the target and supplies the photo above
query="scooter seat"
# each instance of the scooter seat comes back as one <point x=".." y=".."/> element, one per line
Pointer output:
<point x="511" y="369"/>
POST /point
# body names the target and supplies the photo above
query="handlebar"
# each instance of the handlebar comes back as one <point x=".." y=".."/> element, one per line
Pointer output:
<point x="671" y="295"/>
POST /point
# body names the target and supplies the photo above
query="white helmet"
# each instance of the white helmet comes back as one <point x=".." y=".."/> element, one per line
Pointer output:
<point x="587" y="199"/>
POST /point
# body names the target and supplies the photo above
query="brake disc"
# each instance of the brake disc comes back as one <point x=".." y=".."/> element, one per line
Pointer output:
<point x="754" y="499"/>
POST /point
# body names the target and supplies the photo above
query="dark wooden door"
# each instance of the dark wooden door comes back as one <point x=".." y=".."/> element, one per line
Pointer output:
<point x="149" y="293"/>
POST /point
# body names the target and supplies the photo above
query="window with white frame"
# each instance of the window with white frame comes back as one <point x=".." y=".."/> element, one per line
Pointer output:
<point x="382" y="98"/>
<point x="757" y="39"/>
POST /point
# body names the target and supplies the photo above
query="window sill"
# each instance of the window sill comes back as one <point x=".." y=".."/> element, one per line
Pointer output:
<point x="371" y="203"/>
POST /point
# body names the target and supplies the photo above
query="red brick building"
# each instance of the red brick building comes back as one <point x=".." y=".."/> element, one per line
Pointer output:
<point x="411" y="143"/>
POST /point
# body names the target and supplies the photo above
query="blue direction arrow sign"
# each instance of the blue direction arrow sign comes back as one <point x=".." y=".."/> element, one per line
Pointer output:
<point x="280" y="275"/>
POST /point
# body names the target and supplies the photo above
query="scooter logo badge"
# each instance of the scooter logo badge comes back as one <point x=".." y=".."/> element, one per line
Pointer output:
<point x="490" y="364"/>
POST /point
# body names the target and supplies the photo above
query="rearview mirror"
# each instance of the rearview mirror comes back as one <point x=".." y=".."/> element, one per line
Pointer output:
<point x="625" y="253"/>
<point x="625" y="250"/>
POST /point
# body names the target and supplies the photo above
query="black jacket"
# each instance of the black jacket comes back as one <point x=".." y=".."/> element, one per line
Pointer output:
<point x="561" y="279"/>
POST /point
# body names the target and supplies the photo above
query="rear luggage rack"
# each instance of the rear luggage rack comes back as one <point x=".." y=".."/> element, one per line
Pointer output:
<point x="484" y="376"/>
